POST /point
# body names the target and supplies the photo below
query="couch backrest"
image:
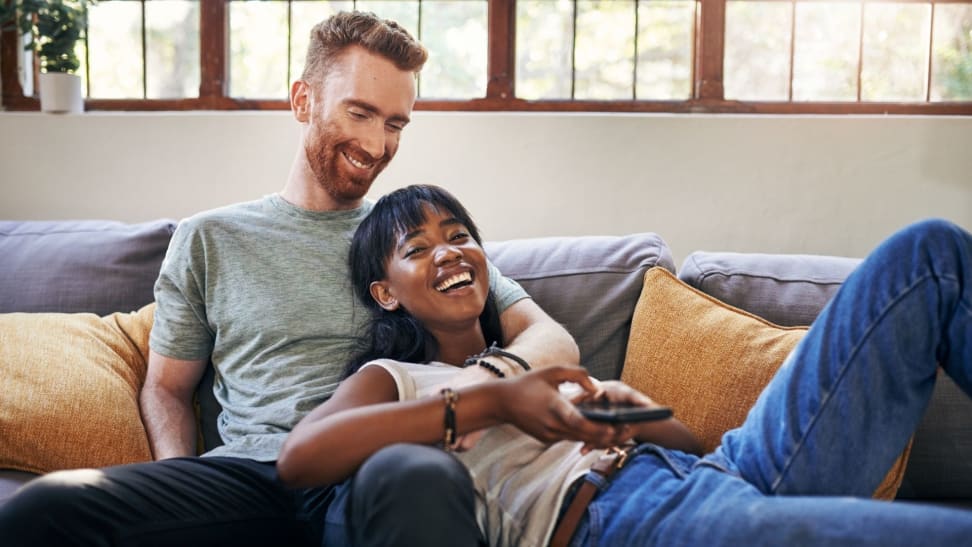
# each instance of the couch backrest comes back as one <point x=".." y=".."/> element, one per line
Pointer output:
<point x="590" y="284"/>
<point x="90" y="266"/>
<point x="787" y="289"/>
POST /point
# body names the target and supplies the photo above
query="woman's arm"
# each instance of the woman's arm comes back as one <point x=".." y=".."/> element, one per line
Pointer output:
<point x="364" y="415"/>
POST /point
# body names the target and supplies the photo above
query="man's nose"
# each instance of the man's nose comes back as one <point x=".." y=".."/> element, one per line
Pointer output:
<point x="372" y="140"/>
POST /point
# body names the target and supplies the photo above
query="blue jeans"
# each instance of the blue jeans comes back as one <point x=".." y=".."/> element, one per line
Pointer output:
<point x="827" y="428"/>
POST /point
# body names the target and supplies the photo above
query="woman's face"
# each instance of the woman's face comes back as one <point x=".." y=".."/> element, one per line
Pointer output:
<point x="437" y="273"/>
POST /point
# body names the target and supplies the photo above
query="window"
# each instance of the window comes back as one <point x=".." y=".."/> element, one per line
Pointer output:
<point x="761" y="56"/>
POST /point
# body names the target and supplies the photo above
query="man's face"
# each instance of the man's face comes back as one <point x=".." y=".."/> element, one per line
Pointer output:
<point x="356" y="120"/>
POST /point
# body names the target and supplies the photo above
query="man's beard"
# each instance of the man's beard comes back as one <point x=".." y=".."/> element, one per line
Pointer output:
<point x="324" y="156"/>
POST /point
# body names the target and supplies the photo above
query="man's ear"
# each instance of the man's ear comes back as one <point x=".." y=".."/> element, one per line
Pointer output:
<point x="383" y="296"/>
<point x="300" y="100"/>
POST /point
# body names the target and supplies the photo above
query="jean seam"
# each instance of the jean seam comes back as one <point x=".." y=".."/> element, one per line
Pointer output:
<point x="828" y="397"/>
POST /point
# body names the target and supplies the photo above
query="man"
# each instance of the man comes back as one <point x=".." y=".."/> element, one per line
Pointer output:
<point x="261" y="290"/>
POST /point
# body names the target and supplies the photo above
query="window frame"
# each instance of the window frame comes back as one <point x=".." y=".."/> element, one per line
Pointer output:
<point x="707" y="94"/>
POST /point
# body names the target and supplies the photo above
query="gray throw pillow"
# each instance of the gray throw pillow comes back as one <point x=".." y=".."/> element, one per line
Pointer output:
<point x="590" y="284"/>
<point x="71" y="266"/>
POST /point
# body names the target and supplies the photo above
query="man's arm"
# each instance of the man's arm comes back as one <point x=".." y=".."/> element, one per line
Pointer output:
<point x="535" y="337"/>
<point x="166" y="404"/>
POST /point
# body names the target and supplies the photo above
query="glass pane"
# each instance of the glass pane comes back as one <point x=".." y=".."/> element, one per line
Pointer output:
<point x="307" y="13"/>
<point x="304" y="14"/>
<point x="403" y="12"/>
<point x="665" y="34"/>
<point x="115" y="50"/>
<point x="455" y="33"/>
<point x="757" y="51"/>
<point x="258" y="49"/>
<point x="544" y="31"/>
<point x="895" y="55"/>
<point x="172" y="44"/>
<point x="952" y="53"/>
<point x="826" y="51"/>
<point x="604" y="52"/>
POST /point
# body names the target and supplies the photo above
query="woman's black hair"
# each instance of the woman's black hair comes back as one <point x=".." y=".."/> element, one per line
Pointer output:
<point x="397" y="334"/>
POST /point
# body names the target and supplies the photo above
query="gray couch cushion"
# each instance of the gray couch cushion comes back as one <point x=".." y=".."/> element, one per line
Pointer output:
<point x="788" y="290"/>
<point x="91" y="266"/>
<point x="589" y="284"/>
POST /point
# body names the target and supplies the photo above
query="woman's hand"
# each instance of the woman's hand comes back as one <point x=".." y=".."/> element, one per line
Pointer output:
<point x="533" y="403"/>
<point x="616" y="392"/>
<point x="669" y="432"/>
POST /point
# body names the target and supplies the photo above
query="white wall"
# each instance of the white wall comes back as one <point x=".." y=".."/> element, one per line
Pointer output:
<point x="833" y="185"/>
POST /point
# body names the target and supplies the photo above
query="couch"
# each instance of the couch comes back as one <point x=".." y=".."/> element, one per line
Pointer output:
<point x="76" y="302"/>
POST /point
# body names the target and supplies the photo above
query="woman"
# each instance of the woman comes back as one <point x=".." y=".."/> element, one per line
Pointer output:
<point x="855" y="387"/>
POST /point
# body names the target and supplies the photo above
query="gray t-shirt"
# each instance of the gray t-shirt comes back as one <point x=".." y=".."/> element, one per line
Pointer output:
<point x="263" y="289"/>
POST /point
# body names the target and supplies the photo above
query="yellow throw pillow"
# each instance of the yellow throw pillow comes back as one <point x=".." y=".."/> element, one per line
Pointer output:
<point x="70" y="389"/>
<point x="709" y="361"/>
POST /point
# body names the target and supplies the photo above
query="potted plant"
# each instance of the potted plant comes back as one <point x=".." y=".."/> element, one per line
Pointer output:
<point x="54" y="28"/>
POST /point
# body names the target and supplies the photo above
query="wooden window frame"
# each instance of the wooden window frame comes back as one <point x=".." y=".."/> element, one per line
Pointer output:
<point x="707" y="95"/>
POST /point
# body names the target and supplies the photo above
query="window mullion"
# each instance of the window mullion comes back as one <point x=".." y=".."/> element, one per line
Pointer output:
<point x="931" y="56"/>
<point x="9" y="51"/>
<point x="213" y="49"/>
<point x="144" y="52"/>
<point x="711" y="40"/>
<point x="501" y="49"/>
<point x="860" y="53"/>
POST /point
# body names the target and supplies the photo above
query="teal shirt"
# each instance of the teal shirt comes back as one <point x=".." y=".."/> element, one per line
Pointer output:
<point x="263" y="290"/>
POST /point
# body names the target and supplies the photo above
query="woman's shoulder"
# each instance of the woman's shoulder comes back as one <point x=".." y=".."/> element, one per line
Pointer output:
<point x="415" y="380"/>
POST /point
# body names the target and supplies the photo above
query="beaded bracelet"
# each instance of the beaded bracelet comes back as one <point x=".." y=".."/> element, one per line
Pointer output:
<point x="493" y="349"/>
<point x="492" y="368"/>
<point x="449" y="396"/>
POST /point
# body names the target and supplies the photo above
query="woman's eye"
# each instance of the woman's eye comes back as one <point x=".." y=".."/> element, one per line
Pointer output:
<point x="413" y="251"/>
<point x="459" y="235"/>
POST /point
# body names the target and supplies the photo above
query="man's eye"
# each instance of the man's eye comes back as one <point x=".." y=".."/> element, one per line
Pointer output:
<point x="413" y="251"/>
<point x="459" y="235"/>
<point x="357" y="115"/>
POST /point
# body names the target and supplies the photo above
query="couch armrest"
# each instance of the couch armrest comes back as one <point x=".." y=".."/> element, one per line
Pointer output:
<point x="788" y="290"/>
<point x="791" y="290"/>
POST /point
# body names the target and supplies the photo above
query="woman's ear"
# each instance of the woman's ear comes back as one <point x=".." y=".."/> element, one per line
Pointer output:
<point x="383" y="296"/>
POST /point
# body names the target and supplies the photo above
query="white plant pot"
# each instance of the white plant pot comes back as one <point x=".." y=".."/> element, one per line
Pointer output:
<point x="60" y="93"/>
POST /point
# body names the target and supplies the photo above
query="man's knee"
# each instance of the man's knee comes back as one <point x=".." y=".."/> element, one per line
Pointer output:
<point x="57" y="498"/>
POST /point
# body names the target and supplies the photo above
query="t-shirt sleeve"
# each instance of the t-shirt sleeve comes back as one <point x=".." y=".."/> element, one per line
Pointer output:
<point x="181" y="329"/>
<point x="403" y="381"/>
<point x="506" y="291"/>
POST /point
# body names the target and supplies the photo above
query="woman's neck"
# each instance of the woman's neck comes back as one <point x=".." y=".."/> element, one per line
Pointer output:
<point x="455" y="347"/>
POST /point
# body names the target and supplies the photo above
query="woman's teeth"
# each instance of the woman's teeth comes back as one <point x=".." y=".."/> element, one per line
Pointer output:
<point x="463" y="277"/>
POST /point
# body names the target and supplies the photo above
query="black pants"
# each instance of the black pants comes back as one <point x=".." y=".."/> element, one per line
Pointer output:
<point x="403" y="495"/>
